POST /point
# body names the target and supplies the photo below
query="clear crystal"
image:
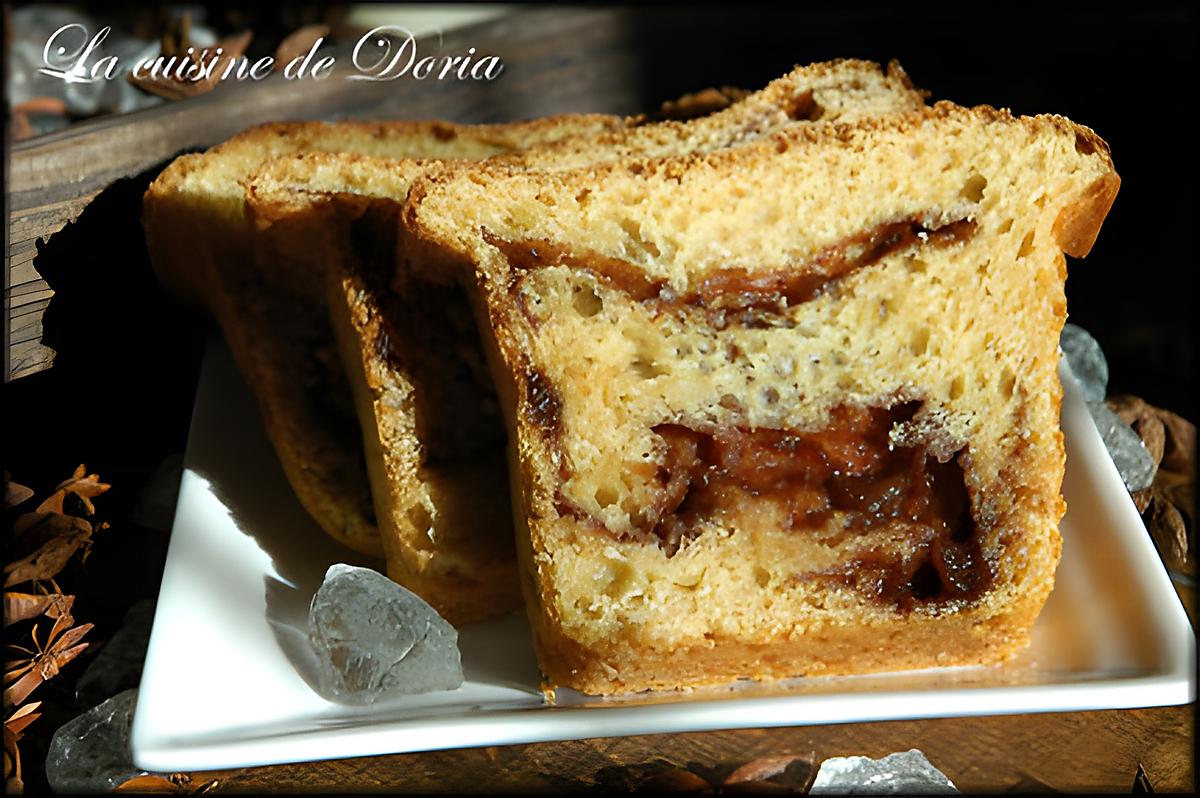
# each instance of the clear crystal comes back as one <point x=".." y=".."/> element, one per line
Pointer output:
<point x="1086" y="360"/>
<point x="905" y="773"/>
<point x="1133" y="461"/>
<point x="374" y="638"/>
<point x="91" y="753"/>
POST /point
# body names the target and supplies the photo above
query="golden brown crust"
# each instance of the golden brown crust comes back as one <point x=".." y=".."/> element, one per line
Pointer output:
<point x="829" y="651"/>
<point x="857" y="133"/>
<point x="1077" y="226"/>
<point x="844" y="89"/>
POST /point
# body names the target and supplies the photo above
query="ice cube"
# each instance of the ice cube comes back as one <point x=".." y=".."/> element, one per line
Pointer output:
<point x="1086" y="360"/>
<point x="1133" y="461"/>
<point x="91" y="753"/>
<point x="904" y="773"/>
<point x="374" y="638"/>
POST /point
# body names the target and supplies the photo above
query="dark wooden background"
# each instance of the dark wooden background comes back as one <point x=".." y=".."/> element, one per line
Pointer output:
<point x="119" y="395"/>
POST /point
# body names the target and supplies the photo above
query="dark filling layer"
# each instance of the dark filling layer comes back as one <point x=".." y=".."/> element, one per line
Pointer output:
<point x="846" y="470"/>
<point x="735" y="289"/>
<point x="429" y="334"/>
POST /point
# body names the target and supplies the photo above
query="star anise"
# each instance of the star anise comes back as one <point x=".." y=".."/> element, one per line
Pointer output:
<point x="44" y="541"/>
<point x="23" y="675"/>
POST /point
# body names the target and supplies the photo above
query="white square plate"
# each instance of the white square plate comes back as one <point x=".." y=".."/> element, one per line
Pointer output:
<point x="224" y="682"/>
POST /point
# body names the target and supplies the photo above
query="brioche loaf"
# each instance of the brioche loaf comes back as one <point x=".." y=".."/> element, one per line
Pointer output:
<point x="432" y="431"/>
<point x="273" y="315"/>
<point x="785" y="409"/>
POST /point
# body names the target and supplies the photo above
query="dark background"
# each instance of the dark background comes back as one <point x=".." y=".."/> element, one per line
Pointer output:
<point x="119" y="396"/>
<point x="1124" y="74"/>
<point x="120" y="392"/>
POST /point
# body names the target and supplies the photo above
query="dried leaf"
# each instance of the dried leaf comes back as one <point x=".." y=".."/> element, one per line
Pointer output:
<point x="676" y="780"/>
<point x="1181" y="492"/>
<point x="1129" y="408"/>
<point x="23" y="606"/>
<point x="42" y="105"/>
<point x="12" y="764"/>
<point x="1142" y="498"/>
<point x="14" y="494"/>
<point x="1168" y="530"/>
<point x="19" y="690"/>
<point x="18" y="721"/>
<point x="149" y="782"/>
<point x="32" y="530"/>
<point x="770" y="774"/>
<point x="1179" y="452"/>
<point x="14" y="728"/>
<point x="1153" y="434"/>
<point x="73" y="496"/>
<point x="89" y="485"/>
<point x="27" y="521"/>
<point x="52" y="556"/>
<point x="298" y="43"/>
<point x="1179" y="449"/>
<point x="15" y="668"/>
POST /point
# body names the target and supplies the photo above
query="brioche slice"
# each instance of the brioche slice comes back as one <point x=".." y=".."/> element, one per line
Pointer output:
<point x="272" y="315"/>
<point x="433" y="436"/>
<point x="786" y="409"/>
<point x="430" y="422"/>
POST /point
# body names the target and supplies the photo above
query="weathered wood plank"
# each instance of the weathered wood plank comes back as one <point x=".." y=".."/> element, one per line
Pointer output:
<point x="26" y="326"/>
<point x="54" y="177"/>
<point x="29" y="357"/>
<point x="1071" y="752"/>
<point x="25" y="293"/>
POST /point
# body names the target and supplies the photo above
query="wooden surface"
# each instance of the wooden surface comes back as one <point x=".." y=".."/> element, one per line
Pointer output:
<point x="53" y="178"/>
<point x="1076" y="752"/>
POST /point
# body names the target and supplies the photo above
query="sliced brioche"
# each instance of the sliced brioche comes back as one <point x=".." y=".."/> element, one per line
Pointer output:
<point x="272" y="315"/>
<point x="785" y="409"/>
<point x="442" y="501"/>
<point x="430" y="423"/>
